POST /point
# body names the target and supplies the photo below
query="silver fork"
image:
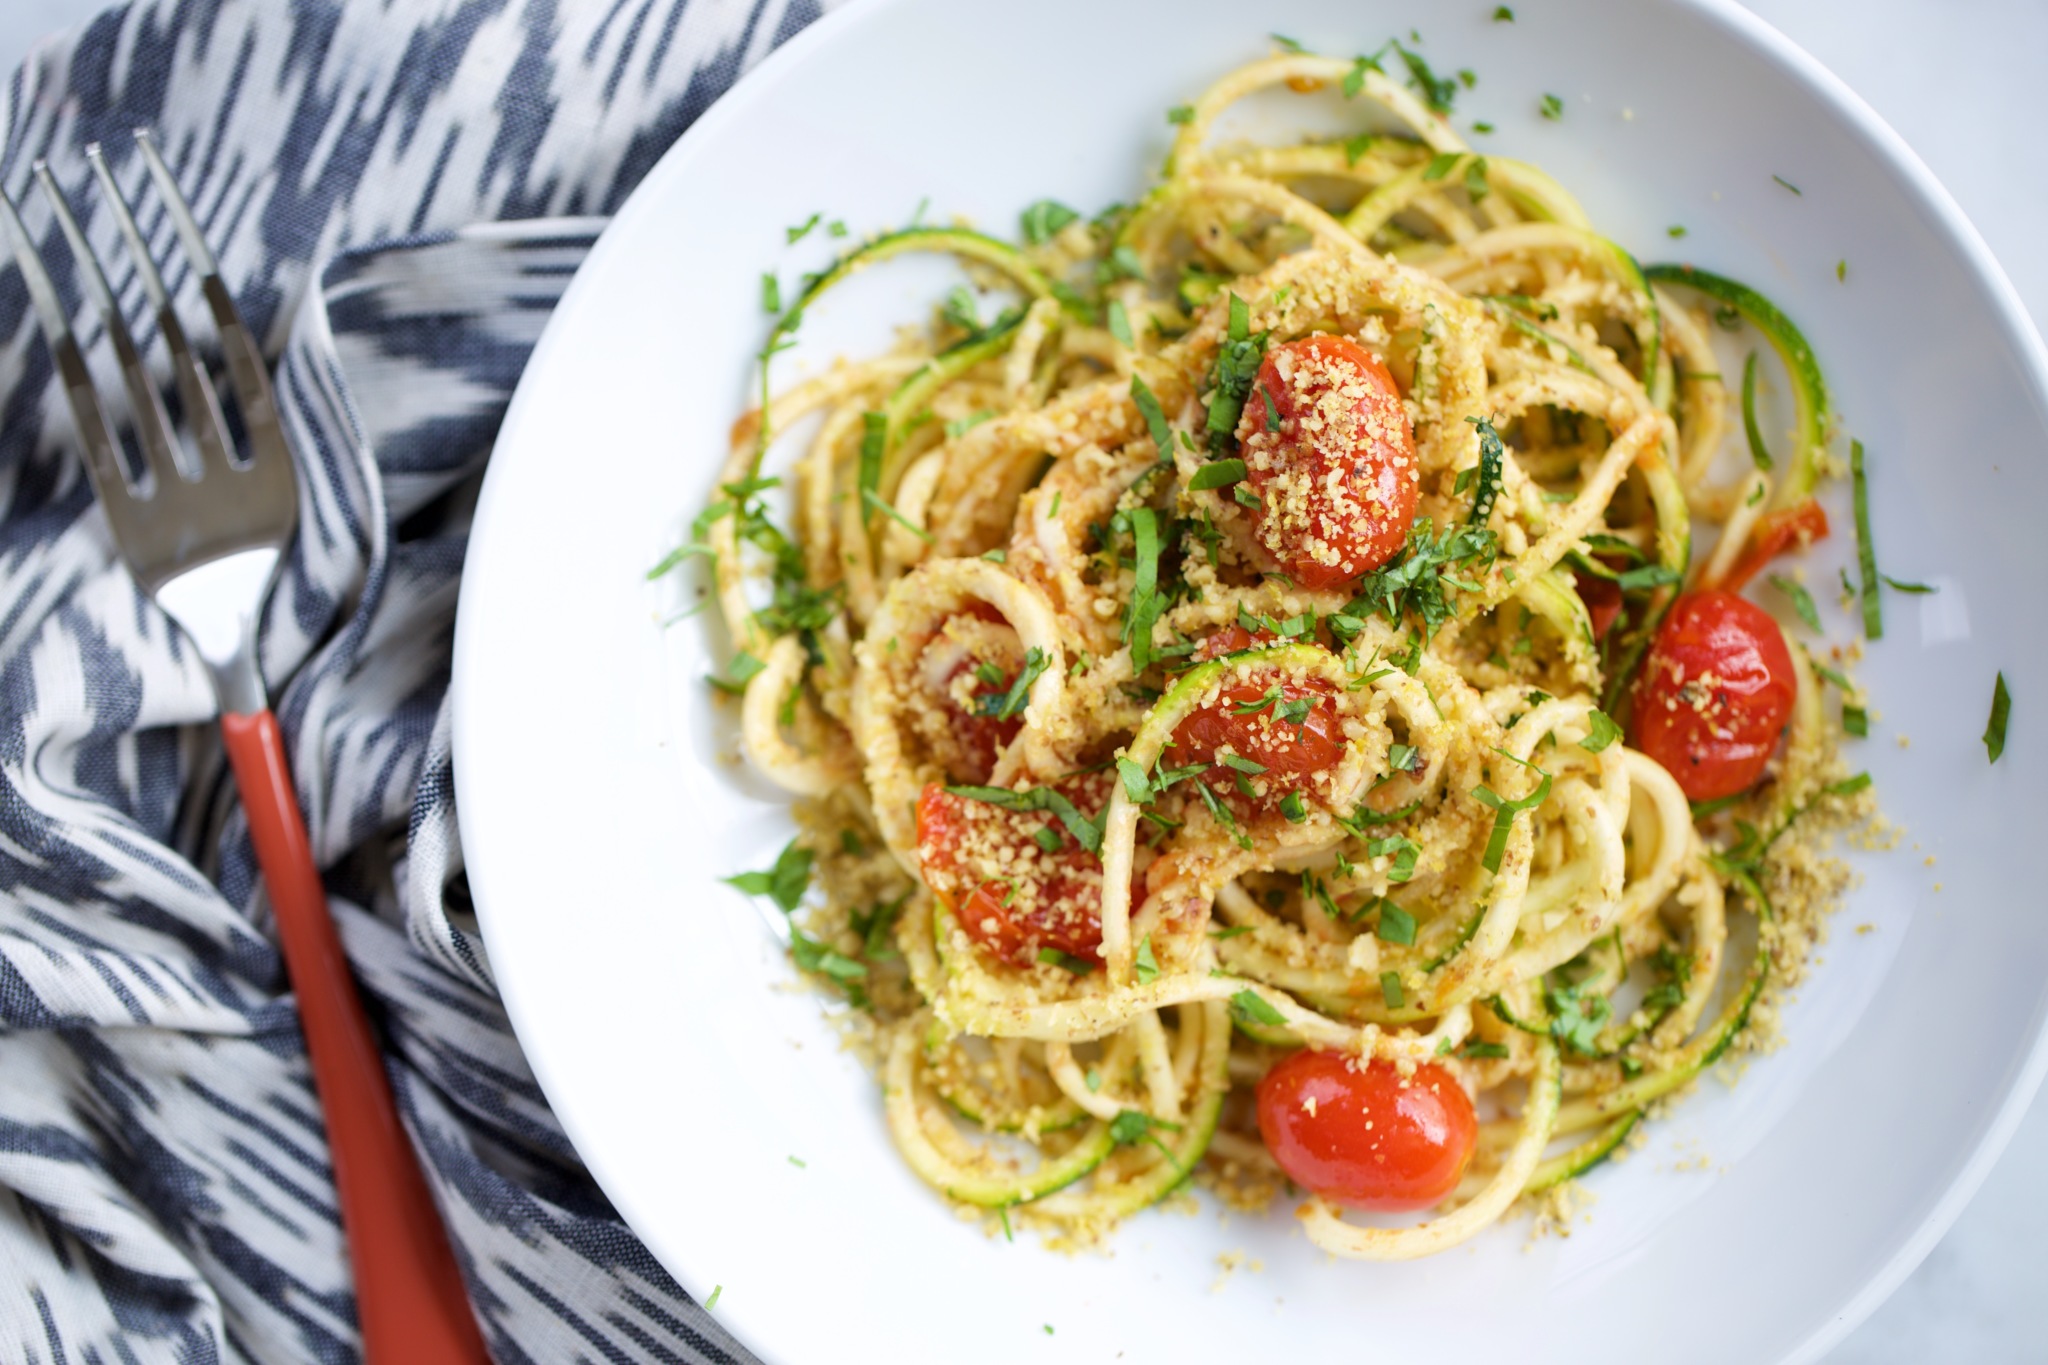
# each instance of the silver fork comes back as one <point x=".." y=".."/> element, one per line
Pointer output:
<point x="203" y="536"/>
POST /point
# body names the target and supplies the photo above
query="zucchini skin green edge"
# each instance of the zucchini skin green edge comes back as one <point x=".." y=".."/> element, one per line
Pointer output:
<point x="1809" y="387"/>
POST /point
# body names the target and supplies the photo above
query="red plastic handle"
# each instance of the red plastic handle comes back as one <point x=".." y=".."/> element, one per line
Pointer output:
<point x="409" y="1292"/>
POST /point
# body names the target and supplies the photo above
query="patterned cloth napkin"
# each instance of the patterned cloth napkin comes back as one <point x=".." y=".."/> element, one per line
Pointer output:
<point x="399" y="190"/>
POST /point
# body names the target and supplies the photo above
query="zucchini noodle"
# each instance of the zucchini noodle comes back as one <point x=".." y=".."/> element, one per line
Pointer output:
<point x="1486" y="878"/>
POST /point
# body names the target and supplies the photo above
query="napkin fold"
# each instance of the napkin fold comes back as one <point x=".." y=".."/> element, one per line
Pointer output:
<point x="399" y="191"/>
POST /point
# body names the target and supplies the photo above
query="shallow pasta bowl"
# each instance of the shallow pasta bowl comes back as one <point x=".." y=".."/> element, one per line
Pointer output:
<point x="1759" y="1223"/>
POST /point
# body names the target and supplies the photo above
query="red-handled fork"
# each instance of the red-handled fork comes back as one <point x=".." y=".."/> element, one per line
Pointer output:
<point x="203" y="539"/>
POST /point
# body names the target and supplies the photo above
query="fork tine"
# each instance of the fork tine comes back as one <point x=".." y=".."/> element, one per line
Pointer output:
<point x="195" y="386"/>
<point x="152" y="423"/>
<point x="246" y="374"/>
<point x="102" y="455"/>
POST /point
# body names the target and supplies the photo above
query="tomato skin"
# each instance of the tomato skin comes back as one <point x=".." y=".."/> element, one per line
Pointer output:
<point x="1042" y="900"/>
<point x="1338" y="481"/>
<point x="966" y="742"/>
<point x="1602" y="597"/>
<point x="1314" y="1111"/>
<point x="1775" y="533"/>
<point x="1284" y="749"/>
<point x="1715" y="736"/>
<point x="1230" y="640"/>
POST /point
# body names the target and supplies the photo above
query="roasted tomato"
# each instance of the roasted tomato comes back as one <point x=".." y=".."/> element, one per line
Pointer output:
<point x="1017" y="882"/>
<point x="1776" y="532"/>
<point x="970" y="666"/>
<point x="1330" y="453"/>
<point x="1364" y="1134"/>
<point x="1715" y="693"/>
<point x="1602" y="597"/>
<point x="1286" y="728"/>
<point x="1231" y="640"/>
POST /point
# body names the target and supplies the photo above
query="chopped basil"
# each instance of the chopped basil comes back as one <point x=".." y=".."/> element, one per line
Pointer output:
<point x="1390" y="990"/>
<point x="2001" y="711"/>
<point x="813" y="956"/>
<point x="783" y="883"/>
<point x="1479" y="1050"/>
<point x="712" y="1302"/>
<point x="1243" y="765"/>
<point x="1232" y="932"/>
<point x="1146" y="965"/>
<point x="1503" y="15"/>
<point x="1011" y="703"/>
<point x="1758" y="452"/>
<point x="1181" y="113"/>
<point x="743" y="667"/>
<point x="1053" y="957"/>
<point x="1147" y="602"/>
<point x="1252" y="1007"/>
<point x="1291" y="806"/>
<point x="1802" y="600"/>
<point x="1866" y="549"/>
<point x="1087" y="833"/>
<point x="1675" y="231"/>
<point x="961" y="309"/>
<point x="1244" y="497"/>
<point x="1855" y="721"/>
<point x="1788" y="185"/>
<point x="875" y="503"/>
<point x="1576" y="1017"/>
<point x="1286" y="43"/>
<point x="874" y="444"/>
<point x="1552" y="107"/>
<point x="1044" y="219"/>
<point x="675" y="557"/>
<point x="1504" y="813"/>
<point x="1842" y="270"/>
<point x="1230" y="379"/>
<point x="1120" y="322"/>
<point x="1915" y="588"/>
<point x="1122" y="264"/>
<point x="803" y="229"/>
<point x="1155" y="418"/>
<point x="1217" y="474"/>
<point x="1356" y="147"/>
<point x="1404" y="758"/>
<point x="771" y="293"/>
<point x="1272" y="412"/>
<point x="960" y="426"/>
<point x="851" y="844"/>
<point x="1404" y="851"/>
<point x="1601" y="731"/>
<point x="1441" y="165"/>
<point x="1395" y="925"/>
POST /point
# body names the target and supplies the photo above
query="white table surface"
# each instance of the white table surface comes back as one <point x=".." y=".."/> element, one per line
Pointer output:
<point x="1961" y="81"/>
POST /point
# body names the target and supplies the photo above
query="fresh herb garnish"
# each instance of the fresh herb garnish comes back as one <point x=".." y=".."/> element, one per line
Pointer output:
<point x="1252" y="1007"/>
<point x="1675" y="231"/>
<point x="1855" y="721"/>
<point x="1601" y="731"/>
<point x="1552" y="108"/>
<point x="1147" y="602"/>
<point x="785" y="882"/>
<point x="1053" y="957"/>
<point x="1491" y="467"/>
<point x="1801" y="599"/>
<point x="1230" y="379"/>
<point x="1044" y="219"/>
<point x="743" y="667"/>
<point x="2001" y="711"/>
<point x="803" y="229"/>
<point x="1146" y="965"/>
<point x="1503" y="15"/>
<point x="1441" y="165"/>
<point x="1291" y="806"/>
<point x="1217" y="474"/>
<point x="960" y="426"/>
<point x="771" y="293"/>
<point x="1391" y="992"/>
<point x="1866" y="548"/>
<point x="1758" y="451"/>
<point x="1404" y="852"/>
<point x="1155" y="418"/>
<point x="1577" y="1017"/>
<point x="1419" y="581"/>
<point x="1286" y="43"/>
<point x="1004" y="705"/>
<point x="1504" y="813"/>
<point x="1914" y="588"/>
<point x="1181" y="113"/>
<point x="1087" y="833"/>
<point x="1395" y="924"/>
<point x="1119" y="323"/>
<point x="1789" y="185"/>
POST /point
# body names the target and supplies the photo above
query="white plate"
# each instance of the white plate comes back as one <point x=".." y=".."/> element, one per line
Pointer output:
<point x="601" y="801"/>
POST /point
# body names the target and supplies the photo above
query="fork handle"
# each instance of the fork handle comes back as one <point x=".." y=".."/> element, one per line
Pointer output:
<point x="409" y="1292"/>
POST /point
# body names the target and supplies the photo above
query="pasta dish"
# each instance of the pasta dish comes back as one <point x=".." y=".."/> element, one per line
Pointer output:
<point x="1256" y="711"/>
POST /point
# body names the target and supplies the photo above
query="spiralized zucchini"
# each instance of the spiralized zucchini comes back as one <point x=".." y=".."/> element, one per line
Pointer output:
<point x="1039" y="476"/>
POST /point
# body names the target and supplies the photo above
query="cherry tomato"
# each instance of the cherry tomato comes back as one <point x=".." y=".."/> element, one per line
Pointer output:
<point x="971" y="663"/>
<point x="1331" y="459"/>
<point x="1231" y="640"/>
<point x="1716" y="691"/>
<point x="1010" y="892"/>
<point x="1288" y="727"/>
<point x="1775" y="533"/>
<point x="1602" y="597"/>
<point x="1366" y="1135"/>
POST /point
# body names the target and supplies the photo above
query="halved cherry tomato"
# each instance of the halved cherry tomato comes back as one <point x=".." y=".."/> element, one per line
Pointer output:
<point x="1364" y="1134"/>
<point x="1602" y="597"/>
<point x="1331" y="458"/>
<point x="1286" y="726"/>
<point x="1716" y="691"/>
<point x="1011" y="893"/>
<point x="970" y="664"/>
<point x="1231" y="640"/>
<point x="1773" y="534"/>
